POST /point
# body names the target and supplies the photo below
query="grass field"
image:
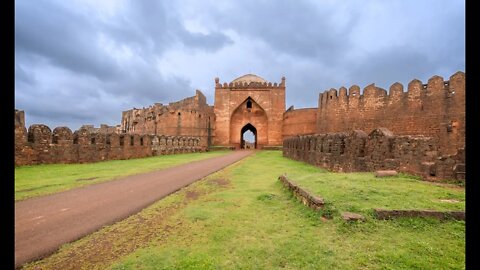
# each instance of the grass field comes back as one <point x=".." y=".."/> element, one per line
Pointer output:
<point x="360" y="192"/>
<point x="37" y="180"/>
<point x="242" y="218"/>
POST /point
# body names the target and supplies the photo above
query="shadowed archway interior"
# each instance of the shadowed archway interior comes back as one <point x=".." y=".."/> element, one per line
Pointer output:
<point x="251" y="128"/>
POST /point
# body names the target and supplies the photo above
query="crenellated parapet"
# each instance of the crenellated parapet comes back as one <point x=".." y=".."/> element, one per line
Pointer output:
<point x="435" y="109"/>
<point x="416" y="90"/>
<point x="62" y="135"/>
<point x="249" y="81"/>
<point x="39" y="145"/>
<point x="379" y="150"/>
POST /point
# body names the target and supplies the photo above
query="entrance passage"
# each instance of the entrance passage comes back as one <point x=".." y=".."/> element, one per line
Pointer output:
<point x="248" y="136"/>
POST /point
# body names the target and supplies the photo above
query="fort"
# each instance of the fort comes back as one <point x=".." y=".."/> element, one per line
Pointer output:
<point x="420" y="130"/>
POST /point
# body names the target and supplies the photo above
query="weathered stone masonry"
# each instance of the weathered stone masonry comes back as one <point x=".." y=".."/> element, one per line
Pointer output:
<point x="428" y="121"/>
<point x="299" y="122"/>
<point x="435" y="109"/>
<point x="249" y="102"/>
<point x="381" y="149"/>
<point x="191" y="117"/>
<point x="41" y="146"/>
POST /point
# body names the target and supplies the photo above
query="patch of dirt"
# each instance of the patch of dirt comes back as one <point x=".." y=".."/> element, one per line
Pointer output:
<point x="450" y="200"/>
<point x="192" y="195"/>
<point x="140" y="219"/>
<point x="86" y="179"/>
<point x="220" y="181"/>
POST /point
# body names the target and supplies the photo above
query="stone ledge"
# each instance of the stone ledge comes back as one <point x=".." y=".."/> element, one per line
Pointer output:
<point x="441" y="215"/>
<point x="385" y="173"/>
<point x="306" y="197"/>
<point x="349" y="216"/>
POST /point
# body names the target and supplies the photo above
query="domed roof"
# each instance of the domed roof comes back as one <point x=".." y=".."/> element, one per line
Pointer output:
<point x="249" y="78"/>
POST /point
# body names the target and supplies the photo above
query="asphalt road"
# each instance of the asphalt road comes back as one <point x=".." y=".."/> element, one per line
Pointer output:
<point x="43" y="224"/>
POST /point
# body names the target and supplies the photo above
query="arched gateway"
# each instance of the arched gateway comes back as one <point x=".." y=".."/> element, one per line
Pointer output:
<point x="249" y="115"/>
<point x="248" y="127"/>
<point x="249" y="103"/>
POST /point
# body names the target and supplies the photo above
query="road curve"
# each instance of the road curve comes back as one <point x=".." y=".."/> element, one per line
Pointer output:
<point x="43" y="224"/>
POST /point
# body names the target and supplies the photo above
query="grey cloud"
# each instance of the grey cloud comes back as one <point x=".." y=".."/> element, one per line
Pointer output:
<point x="154" y="26"/>
<point x="70" y="39"/>
<point x="211" y="42"/>
<point x="146" y="88"/>
<point x="82" y="76"/>
<point x="22" y="76"/>
<point x="64" y="75"/>
<point x="64" y="37"/>
<point x="84" y="100"/>
<point x="297" y="28"/>
<point x="403" y="64"/>
<point x="388" y="66"/>
<point x="49" y="108"/>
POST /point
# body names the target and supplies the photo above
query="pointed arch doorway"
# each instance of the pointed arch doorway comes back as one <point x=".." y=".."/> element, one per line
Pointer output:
<point x="249" y="116"/>
<point x="244" y="144"/>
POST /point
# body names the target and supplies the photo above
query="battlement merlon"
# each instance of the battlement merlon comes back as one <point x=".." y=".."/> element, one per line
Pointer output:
<point x="250" y="81"/>
<point x="416" y="90"/>
<point x="19" y="118"/>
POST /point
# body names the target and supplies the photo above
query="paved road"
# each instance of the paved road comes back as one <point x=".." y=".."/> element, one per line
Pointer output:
<point x="43" y="224"/>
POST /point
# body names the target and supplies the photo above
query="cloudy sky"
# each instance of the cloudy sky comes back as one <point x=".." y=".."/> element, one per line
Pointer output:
<point x="85" y="61"/>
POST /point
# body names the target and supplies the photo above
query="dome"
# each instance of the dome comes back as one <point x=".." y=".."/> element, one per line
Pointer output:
<point x="249" y="78"/>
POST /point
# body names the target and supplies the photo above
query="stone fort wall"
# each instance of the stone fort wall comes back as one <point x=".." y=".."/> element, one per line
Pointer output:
<point x="190" y="117"/>
<point x="381" y="149"/>
<point x="435" y="109"/>
<point x="299" y="122"/>
<point x="431" y="114"/>
<point x="39" y="145"/>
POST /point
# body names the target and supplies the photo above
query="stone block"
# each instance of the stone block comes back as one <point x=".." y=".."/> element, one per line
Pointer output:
<point x="385" y="173"/>
<point x="349" y="216"/>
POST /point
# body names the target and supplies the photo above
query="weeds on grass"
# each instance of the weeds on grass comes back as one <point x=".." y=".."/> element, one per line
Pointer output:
<point x="328" y="210"/>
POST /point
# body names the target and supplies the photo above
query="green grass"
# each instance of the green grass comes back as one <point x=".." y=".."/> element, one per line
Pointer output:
<point x="360" y="192"/>
<point x="243" y="218"/>
<point x="37" y="180"/>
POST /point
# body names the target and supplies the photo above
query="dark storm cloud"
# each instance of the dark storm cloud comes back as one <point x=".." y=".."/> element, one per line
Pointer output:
<point x="66" y="38"/>
<point x="385" y="67"/>
<point x="318" y="45"/>
<point x="70" y="39"/>
<point x="297" y="28"/>
<point x="153" y="26"/>
<point x="83" y="62"/>
<point x="433" y="44"/>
